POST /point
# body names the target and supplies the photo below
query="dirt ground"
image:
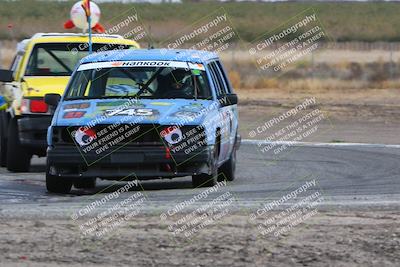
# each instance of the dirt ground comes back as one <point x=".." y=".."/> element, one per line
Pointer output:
<point x="353" y="115"/>
<point x="327" y="239"/>
<point x="366" y="116"/>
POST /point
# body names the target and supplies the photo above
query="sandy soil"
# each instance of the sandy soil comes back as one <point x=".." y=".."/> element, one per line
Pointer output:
<point x="7" y="50"/>
<point x="326" y="239"/>
<point x="368" y="116"/>
<point x="334" y="238"/>
<point x="326" y="55"/>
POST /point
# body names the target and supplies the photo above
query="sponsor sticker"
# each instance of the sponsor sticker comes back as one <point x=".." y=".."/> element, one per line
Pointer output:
<point x="73" y="114"/>
<point x="172" y="135"/>
<point x="76" y="106"/>
<point x="130" y="64"/>
<point x="161" y="103"/>
<point x="84" y="136"/>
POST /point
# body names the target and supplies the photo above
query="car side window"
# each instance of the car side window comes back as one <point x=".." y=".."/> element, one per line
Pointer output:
<point x="224" y="77"/>
<point x="217" y="81"/>
<point x="80" y="84"/>
<point x="15" y="63"/>
<point x="221" y="81"/>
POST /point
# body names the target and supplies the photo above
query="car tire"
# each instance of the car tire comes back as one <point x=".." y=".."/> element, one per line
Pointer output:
<point x="85" y="183"/>
<point x="3" y="151"/>
<point x="58" y="184"/>
<point x="204" y="180"/>
<point x="18" y="157"/>
<point x="3" y="139"/>
<point x="208" y="180"/>
<point x="228" y="168"/>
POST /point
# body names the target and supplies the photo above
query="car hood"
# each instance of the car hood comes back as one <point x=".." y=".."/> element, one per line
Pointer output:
<point x="144" y="111"/>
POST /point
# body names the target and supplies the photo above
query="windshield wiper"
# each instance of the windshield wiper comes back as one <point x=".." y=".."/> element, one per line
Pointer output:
<point x="145" y="87"/>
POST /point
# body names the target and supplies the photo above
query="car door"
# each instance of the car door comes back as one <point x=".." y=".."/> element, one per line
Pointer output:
<point x="232" y="113"/>
<point x="225" y="113"/>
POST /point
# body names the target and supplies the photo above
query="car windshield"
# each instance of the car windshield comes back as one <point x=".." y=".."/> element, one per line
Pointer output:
<point x="139" y="82"/>
<point x="59" y="59"/>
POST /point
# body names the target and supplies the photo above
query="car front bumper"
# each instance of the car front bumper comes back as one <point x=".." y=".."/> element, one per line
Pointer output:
<point x="33" y="131"/>
<point x="128" y="162"/>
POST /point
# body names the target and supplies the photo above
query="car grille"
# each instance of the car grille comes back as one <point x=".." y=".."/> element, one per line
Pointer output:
<point x="145" y="134"/>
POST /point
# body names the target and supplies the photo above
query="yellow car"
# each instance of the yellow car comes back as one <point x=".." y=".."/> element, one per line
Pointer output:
<point x="43" y="64"/>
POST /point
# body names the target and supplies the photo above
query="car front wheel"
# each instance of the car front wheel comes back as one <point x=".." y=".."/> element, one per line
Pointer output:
<point x="208" y="180"/>
<point x="228" y="169"/>
<point x="85" y="183"/>
<point x="3" y="139"/>
<point x="56" y="184"/>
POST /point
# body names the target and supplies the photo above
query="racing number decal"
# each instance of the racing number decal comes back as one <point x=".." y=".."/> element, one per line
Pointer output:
<point x="131" y="112"/>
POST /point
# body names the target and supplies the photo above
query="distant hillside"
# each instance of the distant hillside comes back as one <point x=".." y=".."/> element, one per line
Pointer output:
<point x="376" y="21"/>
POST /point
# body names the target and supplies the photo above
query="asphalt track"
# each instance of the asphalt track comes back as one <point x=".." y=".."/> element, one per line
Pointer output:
<point x="346" y="175"/>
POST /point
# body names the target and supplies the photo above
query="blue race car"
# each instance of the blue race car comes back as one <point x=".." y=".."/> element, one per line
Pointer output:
<point x="143" y="114"/>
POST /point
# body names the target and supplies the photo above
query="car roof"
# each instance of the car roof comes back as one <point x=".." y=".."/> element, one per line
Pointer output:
<point x="195" y="56"/>
<point x="83" y="39"/>
<point x="74" y="38"/>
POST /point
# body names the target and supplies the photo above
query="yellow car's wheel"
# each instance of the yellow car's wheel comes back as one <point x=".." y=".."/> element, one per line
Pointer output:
<point x="3" y="139"/>
<point x="18" y="157"/>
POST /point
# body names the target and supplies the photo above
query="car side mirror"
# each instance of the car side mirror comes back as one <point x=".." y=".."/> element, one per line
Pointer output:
<point x="52" y="99"/>
<point x="6" y="76"/>
<point x="228" y="99"/>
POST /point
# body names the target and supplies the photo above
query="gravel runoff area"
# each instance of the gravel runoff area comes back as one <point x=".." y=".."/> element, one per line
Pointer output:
<point x="329" y="238"/>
